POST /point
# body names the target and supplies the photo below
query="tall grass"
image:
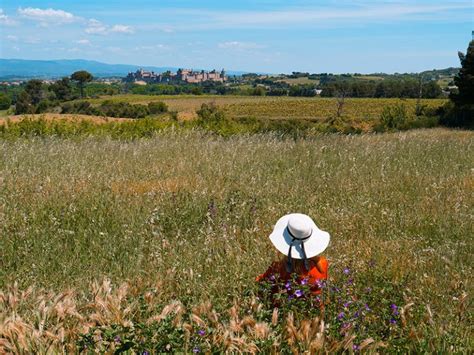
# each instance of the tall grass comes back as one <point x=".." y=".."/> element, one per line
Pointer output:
<point x="184" y="217"/>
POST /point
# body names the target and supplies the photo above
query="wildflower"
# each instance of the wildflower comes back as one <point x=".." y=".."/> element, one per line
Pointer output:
<point x="201" y="332"/>
<point x="357" y="314"/>
<point x="288" y="285"/>
<point x="368" y="289"/>
<point x="290" y="297"/>
<point x="347" y="304"/>
<point x="393" y="321"/>
<point x="145" y="353"/>
<point x="394" y="309"/>
<point x="272" y="278"/>
<point x="196" y="349"/>
<point x="367" y="308"/>
<point x="117" y="339"/>
<point x="304" y="281"/>
<point x="355" y="347"/>
<point x="299" y="293"/>
<point x="340" y="316"/>
<point x="347" y="271"/>
<point x="350" y="281"/>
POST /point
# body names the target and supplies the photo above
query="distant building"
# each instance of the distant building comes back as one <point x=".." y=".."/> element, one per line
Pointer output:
<point x="181" y="76"/>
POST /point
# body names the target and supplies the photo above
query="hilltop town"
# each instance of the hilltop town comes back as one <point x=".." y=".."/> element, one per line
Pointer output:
<point x="181" y="76"/>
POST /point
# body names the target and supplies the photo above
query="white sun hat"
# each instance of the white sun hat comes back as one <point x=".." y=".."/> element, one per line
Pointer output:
<point x="296" y="233"/>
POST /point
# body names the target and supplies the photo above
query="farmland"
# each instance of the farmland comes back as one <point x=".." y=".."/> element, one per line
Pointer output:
<point x="177" y="226"/>
<point x="274" y="107"/>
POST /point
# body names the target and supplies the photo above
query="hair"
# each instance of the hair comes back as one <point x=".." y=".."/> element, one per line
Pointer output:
<point x="298" y="264"/>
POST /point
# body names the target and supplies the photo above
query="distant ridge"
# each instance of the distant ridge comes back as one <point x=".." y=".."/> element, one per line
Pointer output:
<point x="47" y="69"/>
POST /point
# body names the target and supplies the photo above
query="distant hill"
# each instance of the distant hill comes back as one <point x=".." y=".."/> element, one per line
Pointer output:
<point x="22" y="68"/>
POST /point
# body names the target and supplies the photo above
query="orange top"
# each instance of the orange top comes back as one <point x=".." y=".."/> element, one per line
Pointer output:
<point x="318" y="270"/>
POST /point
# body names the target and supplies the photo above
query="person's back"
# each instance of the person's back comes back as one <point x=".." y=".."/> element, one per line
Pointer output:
<point x="298" y="238"/>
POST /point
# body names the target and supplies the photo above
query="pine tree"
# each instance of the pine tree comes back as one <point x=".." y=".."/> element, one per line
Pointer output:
<point x="465" y="79"/>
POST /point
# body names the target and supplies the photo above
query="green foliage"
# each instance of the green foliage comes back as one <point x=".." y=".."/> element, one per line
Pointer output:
<point x="157" y="107"/>
<point x="23" y="104"/>
<point x="81" y="77"/>
<point x="394" y="117"/>
<point x="62" y="89"/>
<point x="461" y="114"/>
<point x="5" y="101"/>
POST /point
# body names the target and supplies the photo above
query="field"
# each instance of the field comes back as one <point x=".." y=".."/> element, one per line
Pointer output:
<point x="177" y="225"/>
<point x="362" y="110"/>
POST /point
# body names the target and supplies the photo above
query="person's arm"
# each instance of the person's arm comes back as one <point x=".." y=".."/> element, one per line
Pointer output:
<point x="273" y="269"/>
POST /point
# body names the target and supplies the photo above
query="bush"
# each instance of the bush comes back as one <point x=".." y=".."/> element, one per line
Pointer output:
<point x="157" y="107"/>
<point x="393" y="117"/>
<point x="5" y="102"/>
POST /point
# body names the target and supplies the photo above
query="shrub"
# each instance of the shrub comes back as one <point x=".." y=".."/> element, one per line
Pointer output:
<point x="393" y="117"/>
<point x="157" y="107"/>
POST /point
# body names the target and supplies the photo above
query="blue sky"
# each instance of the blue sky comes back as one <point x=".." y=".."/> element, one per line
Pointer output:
<point x="362" y="36"/>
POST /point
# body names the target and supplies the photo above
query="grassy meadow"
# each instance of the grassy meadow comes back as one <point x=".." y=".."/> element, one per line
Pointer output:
<point x="153" y="245"/>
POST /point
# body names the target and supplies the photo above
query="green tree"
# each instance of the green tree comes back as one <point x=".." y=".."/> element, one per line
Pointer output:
<point x="5" y="101"/>
<point x="62" y="89"/>
<point x="81" y="77"/>
<point x="34" y="89"/>
<point x="461" y="112"/>
<point x="23" y="104"/>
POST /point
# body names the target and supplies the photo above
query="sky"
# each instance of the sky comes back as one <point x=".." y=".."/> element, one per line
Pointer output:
<point x="360" y="36"/>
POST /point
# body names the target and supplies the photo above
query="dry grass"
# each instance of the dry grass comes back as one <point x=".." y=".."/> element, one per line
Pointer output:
<point x="63" y="117"/>
<point x="188" y="215"/>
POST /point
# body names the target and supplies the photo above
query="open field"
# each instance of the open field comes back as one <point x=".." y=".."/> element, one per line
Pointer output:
<point x="276" y="107"/>
<point x="185" y="216"/>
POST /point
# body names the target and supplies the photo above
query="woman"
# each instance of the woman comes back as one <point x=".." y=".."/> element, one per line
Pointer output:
<point x="298" y="238"/>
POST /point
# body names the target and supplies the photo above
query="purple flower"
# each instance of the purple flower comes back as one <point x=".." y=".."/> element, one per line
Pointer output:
<point x="272" y="278"/>
<point x="350" y="281"/>
<point x="304" y="281"/>
<point x="340" y="316"/>
<point x="355" y="347"/>
<point x="367" y="308"/>
<point x="201" y="332"/>
<point x="394" y="309"/>
<point x="299" y="293"/>
<point x="117" y="339"/>
<point x="347" y="271"/>
<point x="393" y="321"/>
<point x="196" y="350"/>
<point x="290" y="297"/>
<point x="288" y="285"/>
<point x="145" y="353"/>
<point x="368" y="289"/>
<point x="347" y="304"/>
<point x="357" y="314"/>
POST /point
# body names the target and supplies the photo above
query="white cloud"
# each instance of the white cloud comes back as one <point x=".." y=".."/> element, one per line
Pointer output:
<point x="47" y="16"/>
<point x="84" y="42"/>
<point x="12" y="38"/>
<point x="98" y="28"/>
<point x="6" y="20"/>
<point x="239" y="45"/>
<point x="121" y="29"/>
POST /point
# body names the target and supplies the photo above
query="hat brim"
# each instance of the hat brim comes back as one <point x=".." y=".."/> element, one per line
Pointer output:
<point x="281" y="239"/>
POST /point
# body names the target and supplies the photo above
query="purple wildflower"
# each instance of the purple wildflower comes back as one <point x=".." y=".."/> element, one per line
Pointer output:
<point x="201" y="332"/>
<point x="340" y="316"/>
<point x="394" y="308"/>
<point x="196" y="349"/>
<point x="393" y="321"/>
<point x="145" y="353"/>
<point x="304" y="281"/>
<point x="299" y="293"/>
<point x="290" y="297"/>
<point x="357" y="314"/>
<point x="367" y="308"/>
<point x="117" y="339"/>
<point x="272" y="277"/>
<point x="288" y="285"/>
<point x="347" y="271"/>
<point x="350" y="281"/>
<point x="347" y="304"/>
<point x="355" y="347"/>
